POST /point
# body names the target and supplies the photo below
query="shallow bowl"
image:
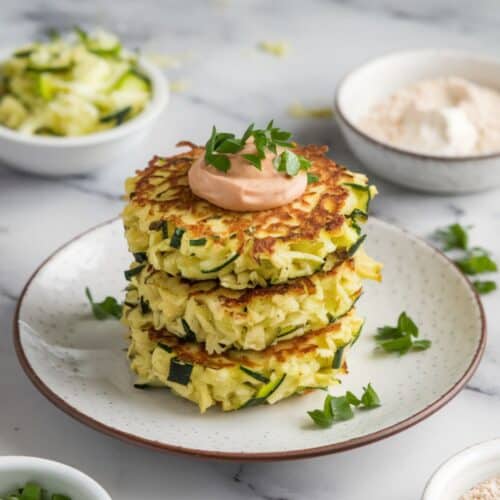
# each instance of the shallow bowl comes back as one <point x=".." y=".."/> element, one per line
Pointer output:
<point x="370" y="83"/>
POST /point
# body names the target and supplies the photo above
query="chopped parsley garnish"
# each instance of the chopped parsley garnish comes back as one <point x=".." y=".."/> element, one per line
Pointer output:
<point x="222" y="144"/>
<point x="452" y="236"/>
<point x="311" y="178"/>
<point x="484" y="287"/>
<point x="476" y="261"/>
<point x="338" y="409"/>
<point x="402" y="337"/>
<point x="108" y="308"/>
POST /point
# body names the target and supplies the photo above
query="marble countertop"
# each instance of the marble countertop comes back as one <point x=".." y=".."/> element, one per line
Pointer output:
<point x="228" y="82"/>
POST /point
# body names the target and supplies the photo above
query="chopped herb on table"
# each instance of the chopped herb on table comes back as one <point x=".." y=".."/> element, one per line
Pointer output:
<point x="452" y="236"/>
<point x="476" y="261"/>
<point x="472" y="261"/>
<point x="402" y="337"/>
<point x="108" y="308"/>
<point x="338" y="409"/>
<point x="484" y="287"/>
<point x="222" y="144"/>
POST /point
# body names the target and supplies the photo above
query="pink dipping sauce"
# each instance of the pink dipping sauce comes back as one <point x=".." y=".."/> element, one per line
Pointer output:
<point x="243" y="187"/>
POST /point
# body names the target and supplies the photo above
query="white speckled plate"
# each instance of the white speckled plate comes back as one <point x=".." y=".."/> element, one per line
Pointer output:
<point x="80" y="364"/>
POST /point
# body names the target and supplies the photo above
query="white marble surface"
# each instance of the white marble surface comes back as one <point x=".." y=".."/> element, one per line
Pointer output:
<point x="231" y="84"/>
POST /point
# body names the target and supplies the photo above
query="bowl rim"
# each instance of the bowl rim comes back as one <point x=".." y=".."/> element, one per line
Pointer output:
<point x="72" y="474"/>
<point x="338" y="112"/>
<point x="160" y="97"/>
<point x="349" y="444"/>
<point x="470" y="455"/>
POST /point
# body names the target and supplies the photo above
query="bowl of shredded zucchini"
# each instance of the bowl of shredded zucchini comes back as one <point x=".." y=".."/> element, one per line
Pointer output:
<point x="75" y="103"/>
<point x="30" y="478"/>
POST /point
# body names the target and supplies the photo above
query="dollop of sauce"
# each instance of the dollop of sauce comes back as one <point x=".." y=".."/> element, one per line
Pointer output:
<point x="244" y="188"/>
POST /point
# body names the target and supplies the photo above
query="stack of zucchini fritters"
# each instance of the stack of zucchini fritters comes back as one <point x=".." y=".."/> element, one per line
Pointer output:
<point x="243" y="308"/>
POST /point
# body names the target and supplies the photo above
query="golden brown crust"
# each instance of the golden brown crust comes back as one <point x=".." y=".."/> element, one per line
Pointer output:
<point x="295" y="286"/>
<point x="163" y="186"/>
<point x="195" y="353"/>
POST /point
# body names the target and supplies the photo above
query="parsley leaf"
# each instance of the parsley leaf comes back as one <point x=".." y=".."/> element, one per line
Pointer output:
<point x="352" y="398"/>
<point x="370" y="398"/>
<point x="484" y="287"/>
<point x="323" y="418"/>
<point x="220" y="162"/>
<point x="476" y="261"/>
<point x="399" y="338"/>
<point x="311" y="178"/>
<point x="221" y="144"/>
<point x="406" y="325"/>
<point x="108" y="308"/>
<point x="287" y="162"/>
<point x="452" y="236"/>
<point x="339" y="409"/>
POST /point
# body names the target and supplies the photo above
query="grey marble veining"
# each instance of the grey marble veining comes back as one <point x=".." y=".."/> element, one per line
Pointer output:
<point x="230" y="84"/>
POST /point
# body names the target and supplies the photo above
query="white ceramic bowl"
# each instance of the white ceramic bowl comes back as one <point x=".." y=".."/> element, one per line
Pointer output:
<point x="463" y="471"/>
<point x="52" y="476"/>
<point x="60" y="156"/>
<point x="370" y="83"/>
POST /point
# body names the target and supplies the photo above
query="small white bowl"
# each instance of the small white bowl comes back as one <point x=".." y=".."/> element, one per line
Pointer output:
<point x="52" y="476"/>
<point x="60" y="156"/>
<point x="372" y="82"/>
<point x="463" y="471"/>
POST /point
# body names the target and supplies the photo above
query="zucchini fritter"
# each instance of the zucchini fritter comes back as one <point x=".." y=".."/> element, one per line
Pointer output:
<point x="189" y="237"/>
<point x="238" y="379"/>
<point x="251" y="319"/>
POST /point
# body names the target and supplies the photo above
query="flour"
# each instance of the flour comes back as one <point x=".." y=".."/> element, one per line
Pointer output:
<point x="445" y="117"/>
<point x="488" y="490"/>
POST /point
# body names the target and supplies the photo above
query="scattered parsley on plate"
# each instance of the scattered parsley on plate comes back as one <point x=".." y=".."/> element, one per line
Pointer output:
<point x="402" y="337"/>
<point x="108" y="308"/>
<point x="338" y="409"/>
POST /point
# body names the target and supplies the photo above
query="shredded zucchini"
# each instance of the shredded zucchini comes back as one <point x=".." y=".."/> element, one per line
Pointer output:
<point x="71" y="86"/>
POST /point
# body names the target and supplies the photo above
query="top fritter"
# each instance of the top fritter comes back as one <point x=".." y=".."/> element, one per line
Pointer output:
<point x="182" y="234"/>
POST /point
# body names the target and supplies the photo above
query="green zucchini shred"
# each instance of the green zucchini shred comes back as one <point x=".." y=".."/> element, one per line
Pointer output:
<point x="190" y="335"/>
<point x="255" y="375"/>
<point x="263" y="393"/>
<point x="337" y="359"/>
<point x="179" y="372"/>
<point x="198" y="243"/>
<point x="145" y="307"/>
<point x="166" y="348"/>
<point x="176" y="240"/>
<point x="358" y="334"/>
<point x="140" y="257"/>
<point x="117" y="116"/>
<point x="354" y="248"/>
<point x="289" y="331"/>
<point x="222" y="266"/>
<point x="129" y="273"/>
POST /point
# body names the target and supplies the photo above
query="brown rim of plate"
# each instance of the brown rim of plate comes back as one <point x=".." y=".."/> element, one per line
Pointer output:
<point x="395" y="149"/>
<point x="267" y="456"/>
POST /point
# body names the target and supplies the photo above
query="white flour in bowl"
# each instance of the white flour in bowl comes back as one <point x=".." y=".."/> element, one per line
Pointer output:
<point x="444" y="117"/>
<point x="488" y="490"/>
